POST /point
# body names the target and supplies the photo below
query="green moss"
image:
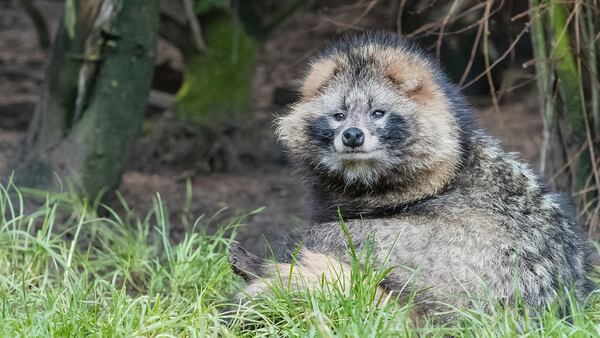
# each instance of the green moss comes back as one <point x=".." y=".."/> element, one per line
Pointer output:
<point x="218" y="82"/>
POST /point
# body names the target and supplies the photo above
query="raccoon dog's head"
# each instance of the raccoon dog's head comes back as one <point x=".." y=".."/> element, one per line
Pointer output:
<point x="373" y="109"/>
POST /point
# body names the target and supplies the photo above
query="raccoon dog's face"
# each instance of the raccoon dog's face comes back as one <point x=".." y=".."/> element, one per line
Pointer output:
<point x="370" y="113"/>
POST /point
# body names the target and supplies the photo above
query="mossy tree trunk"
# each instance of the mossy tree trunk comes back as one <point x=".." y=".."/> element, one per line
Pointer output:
<point x="218" y="79"/>
<point x="564" y="43"/>
<point x="95" y="93"/>
<point x="570" y="85"/>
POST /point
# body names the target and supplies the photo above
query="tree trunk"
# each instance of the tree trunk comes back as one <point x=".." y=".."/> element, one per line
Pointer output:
<point x="97" y="85"/>
<point x="570" y="88"/>
<point x="561" y="74"/>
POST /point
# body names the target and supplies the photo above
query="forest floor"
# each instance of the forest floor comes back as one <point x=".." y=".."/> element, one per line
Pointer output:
<point x="240" y="167"/>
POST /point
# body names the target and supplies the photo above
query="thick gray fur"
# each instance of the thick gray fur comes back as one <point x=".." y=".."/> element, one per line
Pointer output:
<point x="461" y="218"/>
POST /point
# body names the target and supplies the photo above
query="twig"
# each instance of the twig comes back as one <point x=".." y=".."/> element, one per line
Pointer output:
<point x="486" y="57"/>
<point x="545" y="79"/>
<point x="342" y="24"/>
<point x="366" y="12"/>
<point x="194" y="25"/>
<point x="38" y="21"/>
<point x="455" y="6"/>
<point x="593" y="68"/>
<point x="524" y="83"/>
<point x="501" y="58"/>
<point x="162" y="100"/>
<point x="285" y="13"/>
<point x="569" y="162"/>
<point x="432" y="28"/>
<point x="472" y="56"/>
<point x="399" y="13"/>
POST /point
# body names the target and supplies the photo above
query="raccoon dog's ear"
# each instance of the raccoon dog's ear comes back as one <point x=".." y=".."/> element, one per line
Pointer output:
<point x="319" y="74"/>
<point x="410" y="76"/>
<point x="244" y="264"/>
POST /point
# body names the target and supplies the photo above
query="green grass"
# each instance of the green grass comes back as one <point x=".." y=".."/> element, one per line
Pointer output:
<point x="65" y="271"/>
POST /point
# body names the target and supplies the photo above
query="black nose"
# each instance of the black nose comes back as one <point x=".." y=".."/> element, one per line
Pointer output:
<point x="353" y="137"/>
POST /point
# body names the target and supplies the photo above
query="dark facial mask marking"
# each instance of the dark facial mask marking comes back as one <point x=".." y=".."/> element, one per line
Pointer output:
<point x="395" y="131"/>
<point x="320" y="131"/>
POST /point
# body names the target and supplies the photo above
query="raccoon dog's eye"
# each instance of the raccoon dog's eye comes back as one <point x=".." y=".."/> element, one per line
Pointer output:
<point x="339" y="116"/>
<point x="378" y="114"/>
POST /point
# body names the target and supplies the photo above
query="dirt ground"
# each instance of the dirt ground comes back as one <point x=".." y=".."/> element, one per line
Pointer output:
<point x="240" y="166"/>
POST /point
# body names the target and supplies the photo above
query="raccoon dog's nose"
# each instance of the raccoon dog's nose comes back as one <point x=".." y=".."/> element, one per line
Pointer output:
<point x="353" y="137"/>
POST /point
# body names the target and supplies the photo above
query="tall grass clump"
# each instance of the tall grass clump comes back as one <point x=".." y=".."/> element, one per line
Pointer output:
<point x="70" y="269"/>
<point x="65" y="271"/>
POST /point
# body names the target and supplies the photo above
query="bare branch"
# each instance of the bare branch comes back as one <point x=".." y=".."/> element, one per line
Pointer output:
<point x="194" y="25"/>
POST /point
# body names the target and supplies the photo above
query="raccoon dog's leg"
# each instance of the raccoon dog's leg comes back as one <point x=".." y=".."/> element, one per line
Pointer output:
<point x="306" y="272"/>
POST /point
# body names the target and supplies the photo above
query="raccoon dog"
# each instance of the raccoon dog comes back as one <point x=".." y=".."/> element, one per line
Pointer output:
<point x="381" y="135"/>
